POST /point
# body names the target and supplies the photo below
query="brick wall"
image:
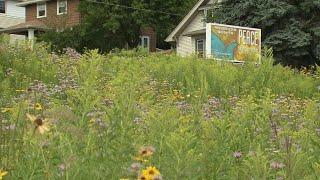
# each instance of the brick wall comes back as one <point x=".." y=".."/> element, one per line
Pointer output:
<point x="52" y="19"/>
<point x="148" y="31"/>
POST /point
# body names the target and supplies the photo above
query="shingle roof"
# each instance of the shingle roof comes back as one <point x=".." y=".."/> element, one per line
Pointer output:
<point x="7" y="21"/>
<point x="23" y="27"/>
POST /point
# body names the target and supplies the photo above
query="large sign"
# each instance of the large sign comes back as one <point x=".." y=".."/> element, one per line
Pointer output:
<point x="233" y="43"/>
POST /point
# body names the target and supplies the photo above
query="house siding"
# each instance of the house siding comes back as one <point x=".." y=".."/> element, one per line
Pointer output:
<point x="14" y="15"/>
<point x="52" y="19"/>
<point x="14" y="11"/>
<point x="186" y="45"/>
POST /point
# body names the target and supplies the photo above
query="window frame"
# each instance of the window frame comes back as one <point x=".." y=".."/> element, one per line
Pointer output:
<point x="45" y="9"/>
<point x="58" y="7"/>
<point x="5" y="7"/>
<point x="200" y="53"/>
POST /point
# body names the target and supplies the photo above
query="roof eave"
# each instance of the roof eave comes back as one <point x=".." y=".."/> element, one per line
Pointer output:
<point x="25" y="3"/>
<point x="170" y="38"/>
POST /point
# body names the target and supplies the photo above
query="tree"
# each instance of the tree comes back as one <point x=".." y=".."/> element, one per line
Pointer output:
<point x="108" y="24"/>
<point x="291" y="27"/>
<point x="116" y="23"/>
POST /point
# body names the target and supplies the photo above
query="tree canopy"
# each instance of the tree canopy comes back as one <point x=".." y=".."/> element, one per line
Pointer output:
<point x="291" y="27"/>
<point x="108" y="24"/>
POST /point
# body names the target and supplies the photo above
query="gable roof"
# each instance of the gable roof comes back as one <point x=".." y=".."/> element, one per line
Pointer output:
<point x="185" y="21"/>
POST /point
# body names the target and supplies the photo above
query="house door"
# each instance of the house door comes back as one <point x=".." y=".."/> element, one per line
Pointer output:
<point x="145" y="42"/>
<point x="200" y="47"/>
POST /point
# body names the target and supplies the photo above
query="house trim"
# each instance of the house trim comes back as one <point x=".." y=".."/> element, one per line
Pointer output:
<point x="185" y="20"/>
<point x="45" y="9"/>
<point x="58" y="1"/>
<point x="25" y="3"/>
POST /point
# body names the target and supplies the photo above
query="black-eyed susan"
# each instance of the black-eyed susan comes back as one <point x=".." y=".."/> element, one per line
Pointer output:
<point x="144" y="177"/>
<point x="41" y="125"/>
<point x="2" y="174"/>
<point x="146" y="151"/>
<point x="150" y="173"/>
<point x="38" y="106"/>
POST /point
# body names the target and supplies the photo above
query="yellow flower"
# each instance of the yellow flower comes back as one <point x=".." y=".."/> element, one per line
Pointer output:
<point x="5" y="110"/>
<point x="41" y="125"/>
<point x="2" y="173"/>
<point x="144" y="177"/>
<point x="151" y="173"/>
<point x="38" y="106"/>
<point x="20" y="90"/>
<point x="147" y="151"/>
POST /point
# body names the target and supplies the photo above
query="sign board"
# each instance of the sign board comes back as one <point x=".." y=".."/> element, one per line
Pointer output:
<point x="233" y="43"/>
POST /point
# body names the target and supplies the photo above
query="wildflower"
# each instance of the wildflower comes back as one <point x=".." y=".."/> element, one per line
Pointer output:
<point x="146" y="151"/>
<point x="135" y="167"/>
<point x="41" y="125"/>
<point x="144" y="177"/>
<point x="151" y="173"/>
<point x="277" y="165"/>
<point x="5" y="110"/>
<point x="38" y="106"/>
<point x="157" y="177"/>
<point x="2" y="173"/>
<point x="237" y="155"/>
<point x="20" y="90"/>
<point x="9" y="127"/>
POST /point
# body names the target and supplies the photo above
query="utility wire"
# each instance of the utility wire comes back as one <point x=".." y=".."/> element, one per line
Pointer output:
<point x="130" y="7"/>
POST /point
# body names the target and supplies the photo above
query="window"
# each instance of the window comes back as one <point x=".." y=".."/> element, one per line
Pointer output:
<point x="2" y="7"/>
<point x="62" y="7"/>
<point x="41" y="10"/>
<point x="145" y="42"/>
<point x="200" y="47"/>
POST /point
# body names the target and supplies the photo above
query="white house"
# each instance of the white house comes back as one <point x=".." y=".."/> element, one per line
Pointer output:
<point x="11" y="15"/>
<point x="189" y="36"/>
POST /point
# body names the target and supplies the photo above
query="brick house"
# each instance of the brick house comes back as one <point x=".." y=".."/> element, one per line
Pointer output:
<point x="42" y="15"/>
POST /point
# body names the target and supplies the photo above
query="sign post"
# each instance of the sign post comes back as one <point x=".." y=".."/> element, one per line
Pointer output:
<point x="233" y="43"/>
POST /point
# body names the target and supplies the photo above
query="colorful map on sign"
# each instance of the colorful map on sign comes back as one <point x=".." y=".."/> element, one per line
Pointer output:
<point x="235" y="43"/>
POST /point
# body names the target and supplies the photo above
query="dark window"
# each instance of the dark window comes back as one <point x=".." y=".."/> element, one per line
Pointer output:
<point x="2" y="6"/>
<point x="62" y="7"/>
<point x="200" y="47"/>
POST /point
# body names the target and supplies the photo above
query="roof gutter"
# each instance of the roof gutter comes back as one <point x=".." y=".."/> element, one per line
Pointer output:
<point x="25" y="3"/>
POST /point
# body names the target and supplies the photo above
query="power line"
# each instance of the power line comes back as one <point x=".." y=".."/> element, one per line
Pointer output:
<point x="130" y="7"/>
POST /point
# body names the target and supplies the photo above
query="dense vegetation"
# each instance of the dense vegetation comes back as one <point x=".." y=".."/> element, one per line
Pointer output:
<point x="291" y="27"/>
<point x="131" y="114"/>
<point x="109" y="24"/>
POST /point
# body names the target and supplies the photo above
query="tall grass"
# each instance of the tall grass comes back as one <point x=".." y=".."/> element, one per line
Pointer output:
<point x="196" y="119"/>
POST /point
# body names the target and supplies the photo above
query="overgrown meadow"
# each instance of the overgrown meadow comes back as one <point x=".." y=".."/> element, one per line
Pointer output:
<point x="130" y="115"/>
